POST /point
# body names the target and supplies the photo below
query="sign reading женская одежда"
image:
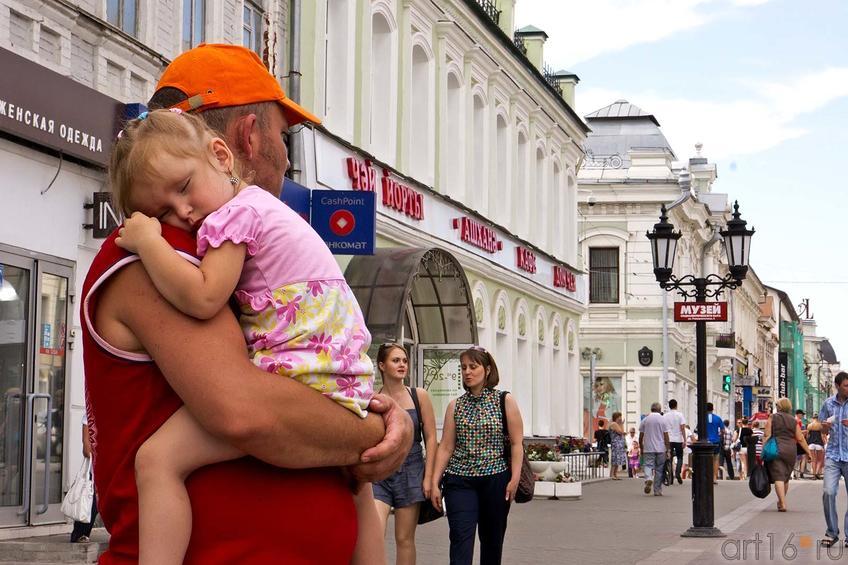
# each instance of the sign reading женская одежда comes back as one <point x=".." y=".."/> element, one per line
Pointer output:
<point x="55" y="111"/>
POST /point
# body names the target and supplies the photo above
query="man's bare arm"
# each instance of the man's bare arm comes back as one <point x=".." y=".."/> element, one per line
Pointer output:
<point x="276" y="419"/>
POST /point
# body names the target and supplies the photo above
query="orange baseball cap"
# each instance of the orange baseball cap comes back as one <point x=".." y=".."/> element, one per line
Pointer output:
<point x="215" y="75"/>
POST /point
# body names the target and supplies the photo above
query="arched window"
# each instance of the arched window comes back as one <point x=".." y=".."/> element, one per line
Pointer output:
<point x="521" y="209"/>
<point x="538" y="213"/>
<point x="338" y="116"/>
<point x="382" y="87"/>
<point x="478" y="181"/>
<point x="499" y="200"/>
<point x="453" y="121"/>
<point x="421" y="113"/>
<point x="558" y="221"/>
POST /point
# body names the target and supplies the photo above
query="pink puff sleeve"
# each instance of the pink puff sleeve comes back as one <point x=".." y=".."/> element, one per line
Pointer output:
<point x="236" y="223"/>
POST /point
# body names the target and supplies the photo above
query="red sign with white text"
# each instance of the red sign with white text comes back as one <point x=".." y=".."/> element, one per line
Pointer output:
<point x="396" y="196"/>
<point x="525" y="259"/>
<point x="700" y="311"/>
<point x="478" y="235"/>
<point x="563" y="278"/>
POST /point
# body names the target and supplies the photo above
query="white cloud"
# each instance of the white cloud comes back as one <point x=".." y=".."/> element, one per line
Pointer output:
<point x="579" y="30"/>
<point x="765" y="118"/>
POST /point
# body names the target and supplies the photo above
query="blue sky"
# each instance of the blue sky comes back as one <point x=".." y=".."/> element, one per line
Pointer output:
<point x="763" y="84"/>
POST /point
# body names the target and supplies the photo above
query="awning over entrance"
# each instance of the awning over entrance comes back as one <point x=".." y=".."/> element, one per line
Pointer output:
<point x="430" y="282"/>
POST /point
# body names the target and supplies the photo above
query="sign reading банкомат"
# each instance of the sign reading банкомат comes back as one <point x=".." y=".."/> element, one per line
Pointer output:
<point x="55" y="111"/>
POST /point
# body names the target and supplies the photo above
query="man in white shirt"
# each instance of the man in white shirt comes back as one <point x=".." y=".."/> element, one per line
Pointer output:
<point x="653" y="437"/>
<point x="676" y="436"/>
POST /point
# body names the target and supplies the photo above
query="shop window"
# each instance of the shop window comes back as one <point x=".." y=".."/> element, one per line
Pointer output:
<point x="123" y="14"/>
<point x="603" y="275"/>
<point x="194" y="23"/>
<point x="252" y="27"/>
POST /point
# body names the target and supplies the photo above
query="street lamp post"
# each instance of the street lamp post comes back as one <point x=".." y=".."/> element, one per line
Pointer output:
<point x="737" y="242"/>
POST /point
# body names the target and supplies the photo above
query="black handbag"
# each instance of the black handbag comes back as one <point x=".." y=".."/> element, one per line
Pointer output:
<point x="527" y="479"/>
<point x="759" y="481"/>
<point x="426" y="511"/>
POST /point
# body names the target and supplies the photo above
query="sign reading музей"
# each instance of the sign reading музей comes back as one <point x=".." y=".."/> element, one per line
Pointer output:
<point x="700" y="311"/>
<point x="56" y="112"/>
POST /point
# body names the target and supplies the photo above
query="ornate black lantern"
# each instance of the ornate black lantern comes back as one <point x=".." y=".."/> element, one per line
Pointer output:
<point x="737" y="243"/>
<point x="663" y="247"/>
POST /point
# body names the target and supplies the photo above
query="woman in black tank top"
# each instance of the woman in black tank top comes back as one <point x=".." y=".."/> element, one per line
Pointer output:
<point x="816" y="441"/>
<point x="410" y="485"/>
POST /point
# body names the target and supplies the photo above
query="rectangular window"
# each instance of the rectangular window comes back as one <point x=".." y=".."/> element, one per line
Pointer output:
<point x="252" y="27"/>
<point x="603" y="275"/>
<point x="123" y="15"/>
<point x="194" y="23"/>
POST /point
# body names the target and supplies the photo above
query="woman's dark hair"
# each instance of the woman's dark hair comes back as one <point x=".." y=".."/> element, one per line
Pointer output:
<point x="484" y="358"/>
<point x="385" y="349"/>
<point x="616" y="416"/>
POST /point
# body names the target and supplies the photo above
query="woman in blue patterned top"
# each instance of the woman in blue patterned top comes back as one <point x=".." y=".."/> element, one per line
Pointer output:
<point x="480" y="477"/>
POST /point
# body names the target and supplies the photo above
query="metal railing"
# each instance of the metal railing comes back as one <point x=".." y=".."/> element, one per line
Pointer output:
<point x="491" y="10"/>
<point x="548" y="73"/>
<point x="581" y="466"/>
<point x="519" y="42"/>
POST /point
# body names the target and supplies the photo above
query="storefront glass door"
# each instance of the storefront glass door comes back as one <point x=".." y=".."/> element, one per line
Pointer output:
<point x="34" y="308"/>
<point x="440" y="375"/>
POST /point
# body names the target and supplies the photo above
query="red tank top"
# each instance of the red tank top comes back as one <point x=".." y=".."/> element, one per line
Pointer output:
<point x="243" y="511"/>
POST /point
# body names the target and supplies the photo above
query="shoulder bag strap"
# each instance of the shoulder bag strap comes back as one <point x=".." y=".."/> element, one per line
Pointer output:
<point x="414" y="394"/>
<point x="503" y="420"/>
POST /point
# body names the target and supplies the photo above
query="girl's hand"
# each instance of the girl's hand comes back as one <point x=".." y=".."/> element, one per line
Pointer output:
<point x="436" y="497"/>
<point x="427" y="487"/>
<point x="511" y="487"/>
<point x="138" y="229"/>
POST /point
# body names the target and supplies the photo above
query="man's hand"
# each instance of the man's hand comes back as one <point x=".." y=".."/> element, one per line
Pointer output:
<point x="387" y="456"/>
<point x="138" y="229"/>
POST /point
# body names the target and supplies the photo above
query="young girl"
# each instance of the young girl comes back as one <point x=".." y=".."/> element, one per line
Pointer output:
<point x="299" y="317"/>
<point x="633" y="459"/>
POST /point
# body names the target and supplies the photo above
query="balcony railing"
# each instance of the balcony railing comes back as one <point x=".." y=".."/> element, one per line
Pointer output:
<point x="519" y="42"/>
<point x="548" y="73"/>
<point x="726" y="340"/>
<point x="491" y="10"/>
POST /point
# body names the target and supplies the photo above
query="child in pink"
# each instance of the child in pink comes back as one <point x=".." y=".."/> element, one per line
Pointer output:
<point x="299" y="317"/>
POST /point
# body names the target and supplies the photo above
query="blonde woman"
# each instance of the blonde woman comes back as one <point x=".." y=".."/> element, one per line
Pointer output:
<point x="784" y="428"/>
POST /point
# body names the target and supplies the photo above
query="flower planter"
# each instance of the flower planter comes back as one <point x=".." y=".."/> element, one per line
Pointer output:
<point x="568" y="490"/>
<point x="542" y="469"/>
<point x="545" y="489"/>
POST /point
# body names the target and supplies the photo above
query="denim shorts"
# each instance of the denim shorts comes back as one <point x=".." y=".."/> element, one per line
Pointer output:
<point x="406" y="486"/>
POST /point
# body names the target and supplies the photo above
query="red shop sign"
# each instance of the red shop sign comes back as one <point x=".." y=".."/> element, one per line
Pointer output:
<point x="525" y="259"/>
<point x="477" y="234"/>
<point x="700" y="311"/>
<point x="362" y="175"/>
<point x="563" y="278"/>
<point x="402" y="198"/>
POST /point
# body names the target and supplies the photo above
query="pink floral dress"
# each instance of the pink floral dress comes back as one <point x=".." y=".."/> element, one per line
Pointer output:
<point x="299" y="317"/>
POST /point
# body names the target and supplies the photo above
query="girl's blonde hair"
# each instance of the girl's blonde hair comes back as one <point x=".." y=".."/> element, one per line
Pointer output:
<point x="142" y="140"/>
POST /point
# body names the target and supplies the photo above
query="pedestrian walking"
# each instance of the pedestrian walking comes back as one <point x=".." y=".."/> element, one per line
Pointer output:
<point x="757" y="433"/>
<point x="743" y="433"/>
<point x="815" y="441"/>
<point x="801" y="459"/>
<point x="634" y="456"/>
<point x="676" y="436"/>
<point x="727" y="450"/>
<point x="714" y="434"/>
<point x="782" y="426"/>
<point x="602" y="441"/>
<point x="653" y="437"/>
<point x="619" y="447"/>
<point x="480" y="477"/>
<point x="82" y="530"/>
<point x="834" y="420"/>
<point x="410" y="485"/>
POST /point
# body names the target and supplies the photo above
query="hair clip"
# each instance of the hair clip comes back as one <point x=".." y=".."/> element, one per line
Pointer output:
<point x="174" y="110"/>
<point x="141" y="116"/>
<point x="478" y="348"/>
<point x="120" y="134"/>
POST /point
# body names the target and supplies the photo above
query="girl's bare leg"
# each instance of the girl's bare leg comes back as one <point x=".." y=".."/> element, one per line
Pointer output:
<point x="370" y="548"/>
<point x="179" y="447"/>
<point x="406" y="520"/>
